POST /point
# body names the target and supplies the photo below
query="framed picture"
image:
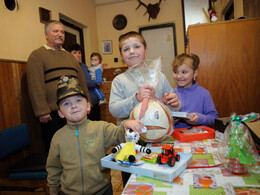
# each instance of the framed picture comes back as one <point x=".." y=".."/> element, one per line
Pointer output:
<point x="107" y="47"/>
<point x="45" y="15"/>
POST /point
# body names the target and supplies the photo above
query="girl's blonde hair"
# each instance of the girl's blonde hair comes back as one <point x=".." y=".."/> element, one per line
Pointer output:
<point x="182" y="58"/>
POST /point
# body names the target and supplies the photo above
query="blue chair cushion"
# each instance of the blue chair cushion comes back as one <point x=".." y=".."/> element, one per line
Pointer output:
<point x="30" y="168"/>
<point x="34" y="175"/>
<point x="13" y="139"/>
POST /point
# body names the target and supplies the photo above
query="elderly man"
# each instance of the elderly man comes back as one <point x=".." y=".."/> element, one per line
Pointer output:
<point x="45" y="66"/>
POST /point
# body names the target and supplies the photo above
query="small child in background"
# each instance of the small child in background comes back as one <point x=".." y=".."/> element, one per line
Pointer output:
<point x="74" y="160"/>
<point x="96" y="70"/>
<point x="94" y="115"/>
<point x="194" y="99"/>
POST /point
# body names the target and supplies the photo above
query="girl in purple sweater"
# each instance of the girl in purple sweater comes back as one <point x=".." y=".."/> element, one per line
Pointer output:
<point x="194" y="99"/>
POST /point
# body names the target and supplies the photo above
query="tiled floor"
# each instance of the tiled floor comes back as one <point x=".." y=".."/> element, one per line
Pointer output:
<point x="116" y="178"/>
<point x="117" y="182"/>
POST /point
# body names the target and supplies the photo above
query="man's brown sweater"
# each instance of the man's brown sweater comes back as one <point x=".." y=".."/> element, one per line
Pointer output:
<point x="44" y="67"/>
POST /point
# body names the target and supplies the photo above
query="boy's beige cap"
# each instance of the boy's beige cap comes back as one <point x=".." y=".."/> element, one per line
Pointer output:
<point x="68" y="86"/>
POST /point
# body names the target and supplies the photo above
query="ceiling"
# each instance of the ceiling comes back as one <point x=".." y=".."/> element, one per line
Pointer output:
<point x="106" y="2"/>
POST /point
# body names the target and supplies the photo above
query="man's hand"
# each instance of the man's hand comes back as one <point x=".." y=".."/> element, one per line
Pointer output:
<point x="45" y="118"/>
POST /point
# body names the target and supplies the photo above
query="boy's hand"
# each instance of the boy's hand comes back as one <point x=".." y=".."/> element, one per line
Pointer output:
<point x="134" y="125"/>
<point x="172" y="99"/>
<point x="146" y="91"/>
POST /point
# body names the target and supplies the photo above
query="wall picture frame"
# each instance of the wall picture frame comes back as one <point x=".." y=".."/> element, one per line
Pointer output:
<point x="107" y="47"/>
<point x="45" y="15"/>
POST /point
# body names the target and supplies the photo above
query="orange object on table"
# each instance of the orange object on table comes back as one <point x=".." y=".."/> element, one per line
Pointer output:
<point x="193" y="134"/>
<point x="144" y="107"/>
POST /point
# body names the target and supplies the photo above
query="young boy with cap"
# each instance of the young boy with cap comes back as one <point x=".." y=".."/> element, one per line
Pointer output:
<point x="74" y="160"/>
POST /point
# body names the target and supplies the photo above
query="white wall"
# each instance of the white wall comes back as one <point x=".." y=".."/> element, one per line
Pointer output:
<point x="194" y="13"/>
<point x="171" y="12"/>
<point x="21" y="31"/>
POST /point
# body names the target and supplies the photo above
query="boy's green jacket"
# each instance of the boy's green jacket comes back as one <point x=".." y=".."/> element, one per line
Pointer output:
<point x="74" y="160"/>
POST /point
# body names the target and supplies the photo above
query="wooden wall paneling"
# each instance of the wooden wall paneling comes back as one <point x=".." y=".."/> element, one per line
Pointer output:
<point x="229" y="69"/>
<point x="29" y="118"/>
<point x="15" y="102"/>
<point x="11" y="109"/>
<point x="10" y="100"/>
<point x="2" y="121"/>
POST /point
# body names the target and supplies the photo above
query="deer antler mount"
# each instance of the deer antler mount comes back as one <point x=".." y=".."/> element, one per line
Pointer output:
<point x="152" y="9"/>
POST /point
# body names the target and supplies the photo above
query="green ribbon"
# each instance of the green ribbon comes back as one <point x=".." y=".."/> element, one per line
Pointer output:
<point x="236" y="119"/>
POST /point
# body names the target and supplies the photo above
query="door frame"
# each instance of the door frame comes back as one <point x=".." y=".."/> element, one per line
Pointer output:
<point x="81" y="37"/>
<point x="163" y="26"/>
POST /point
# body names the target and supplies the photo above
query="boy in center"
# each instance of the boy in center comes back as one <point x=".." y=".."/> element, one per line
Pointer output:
<point x="74" y="160"/>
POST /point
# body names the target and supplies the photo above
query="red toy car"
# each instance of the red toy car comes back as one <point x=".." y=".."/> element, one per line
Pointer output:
<point x="168" y="156"/>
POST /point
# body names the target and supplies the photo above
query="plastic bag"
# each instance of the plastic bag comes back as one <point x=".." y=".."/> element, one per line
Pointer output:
<point x="237" y="149"/>
<point x="146" y="72"/>
<point x="158" y="119"/>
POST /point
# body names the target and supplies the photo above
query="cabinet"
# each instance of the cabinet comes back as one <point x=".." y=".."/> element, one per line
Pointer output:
<point x="104" y="109"/>
<point x="106" y="88"/>
<point x="229" y="55"/>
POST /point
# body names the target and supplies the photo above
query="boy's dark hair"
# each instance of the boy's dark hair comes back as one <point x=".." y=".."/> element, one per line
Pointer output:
<point x="75" y="47"/>
<point x="96" y="54"/>
<point x="131" y="34"/>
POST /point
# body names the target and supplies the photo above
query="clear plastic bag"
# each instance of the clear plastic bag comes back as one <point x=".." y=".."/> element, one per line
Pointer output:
<point x="146" y="72"/>
<point x="237" y="149"/>
<point x="155" y="114"/>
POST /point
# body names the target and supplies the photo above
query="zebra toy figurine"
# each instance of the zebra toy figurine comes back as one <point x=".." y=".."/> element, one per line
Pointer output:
<point x="127" y="151"/>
